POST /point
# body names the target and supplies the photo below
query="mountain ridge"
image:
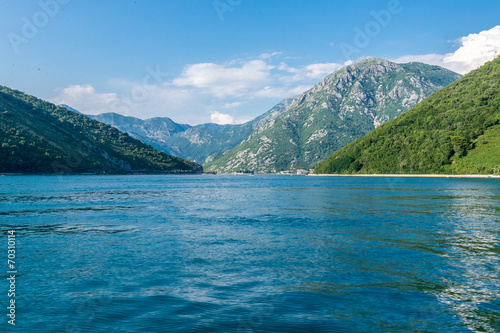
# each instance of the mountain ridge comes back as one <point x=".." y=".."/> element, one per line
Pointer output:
<point x="39" y="137"/>
<point x="344" y="106"/>
<point x="195" y="143"/>
<point x="454" y="131"/>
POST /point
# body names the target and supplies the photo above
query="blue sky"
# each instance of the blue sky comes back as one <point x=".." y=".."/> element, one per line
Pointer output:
<point x="224" y="60"/>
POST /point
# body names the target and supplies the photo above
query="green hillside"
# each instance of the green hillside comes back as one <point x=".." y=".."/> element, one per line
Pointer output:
<point x="40" y="137"/>
<point x="454" y="131"/>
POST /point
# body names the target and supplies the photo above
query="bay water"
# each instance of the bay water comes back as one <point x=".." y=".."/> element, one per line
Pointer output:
<point x="156" y="253"/>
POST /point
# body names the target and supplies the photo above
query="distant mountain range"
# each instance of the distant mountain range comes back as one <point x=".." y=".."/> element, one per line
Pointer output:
<point x="454" y="131"/>
<point x="298" y="132"/>
<point x="194" y="143"/>
<point x="40" y="137"/>
<point x="70" y="108"/>
<point x="457" y="132"/>
<point x="341" y="108"/>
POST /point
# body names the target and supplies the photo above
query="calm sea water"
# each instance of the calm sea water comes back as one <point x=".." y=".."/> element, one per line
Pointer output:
<point x="252" y="254"/>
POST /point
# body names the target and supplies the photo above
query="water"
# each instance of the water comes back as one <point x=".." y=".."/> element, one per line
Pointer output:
<point x="252" y="254"/>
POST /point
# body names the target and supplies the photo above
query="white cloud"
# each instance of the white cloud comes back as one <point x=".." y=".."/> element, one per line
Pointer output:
<point x="269" y="55"/>
<point x="474" y="51"/>
<point x="85" y="99"/>
<point x="319" y="71"/>
<point x="282" y="91"/>
<point x="252" y="78"/>
<point x="233" y="105"/>
<point x="245" y="87"/>
<point x="136" y="101"/>
<point x="431" y="59"/>
<point x="221" y="118"/>
<point x="284" y="67"/>
<point x="310" y="72"/>
<point x="226" y="80"/>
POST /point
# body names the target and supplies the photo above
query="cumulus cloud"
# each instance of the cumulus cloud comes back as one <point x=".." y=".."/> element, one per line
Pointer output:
<point x="240" y="86"/>
<point x="474" y="51"/>
<point x="221" y="118"/>
<point x="85" y="99"/>
<point x="252" y="78"/>
<point x="226" y="80"/>
<point x="244" y="88"/>
<point x="136" y="101"/>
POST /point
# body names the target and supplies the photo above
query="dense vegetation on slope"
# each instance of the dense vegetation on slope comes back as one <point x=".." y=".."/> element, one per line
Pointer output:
<point x="454" y="131"/>
<point x="40" y="137"/>
<point x="195" y="143"/>
<point x="344" y="106"/>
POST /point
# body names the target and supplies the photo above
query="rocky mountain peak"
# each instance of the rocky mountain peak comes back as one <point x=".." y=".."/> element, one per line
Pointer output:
<point x="345" y="105"/>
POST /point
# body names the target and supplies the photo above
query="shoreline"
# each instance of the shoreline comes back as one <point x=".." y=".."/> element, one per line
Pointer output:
<point x="97" y="174"/>
<point x="406" y="175"/>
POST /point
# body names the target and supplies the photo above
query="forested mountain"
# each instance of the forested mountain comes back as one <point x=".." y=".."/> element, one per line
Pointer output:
<point x="194" y="143"/>
<point x="454" y="131"/>
<point x="341" y="108"/>
<point x="40" y="137"/>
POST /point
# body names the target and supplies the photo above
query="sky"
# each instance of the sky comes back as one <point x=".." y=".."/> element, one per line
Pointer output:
<point x="223" y="61"/>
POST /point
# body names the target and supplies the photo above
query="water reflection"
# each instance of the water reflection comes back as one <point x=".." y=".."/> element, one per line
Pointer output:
<point x="267" y="254"/>
<point x="473" y="279"/>
<point x="444" y="244"/>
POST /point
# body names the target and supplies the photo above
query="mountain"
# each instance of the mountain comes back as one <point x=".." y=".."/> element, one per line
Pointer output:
<point x="153" y="131"/>
<point x="69" y="108"/>
<point x="40" y="137"/>
<point x="454" y="131"/>
<point x="341" y="108"/>
<point x="194" y="143"/>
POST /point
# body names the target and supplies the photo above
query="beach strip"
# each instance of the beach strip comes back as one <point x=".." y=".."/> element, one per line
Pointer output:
<point x="405" y="175"/>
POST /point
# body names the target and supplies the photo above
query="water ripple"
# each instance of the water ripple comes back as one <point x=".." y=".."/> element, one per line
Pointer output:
<point x="255" y="254"/>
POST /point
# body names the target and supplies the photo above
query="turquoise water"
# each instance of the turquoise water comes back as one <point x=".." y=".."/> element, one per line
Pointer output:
<point x="252" y="254"/>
